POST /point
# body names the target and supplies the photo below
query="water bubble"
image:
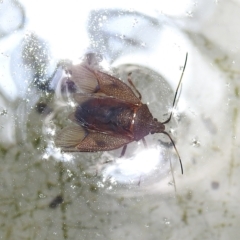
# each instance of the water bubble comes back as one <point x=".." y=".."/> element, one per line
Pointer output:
<point x="69" y="173"/>
<point x="100" y="184"/>
<point x="41" y="195"/>
<point x="135" y="21"/>
<point x="166" y="221"/>
<point x="45" y="156"/>
<point x="122" y="36"/>
<point x="189" y="14"/>
<point x="4" y="112"/>
<point x="195" y="142"/>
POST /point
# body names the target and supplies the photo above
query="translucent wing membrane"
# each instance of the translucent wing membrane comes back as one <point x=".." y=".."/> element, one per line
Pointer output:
<point x="70" y="137"/>
<point x="89" y="80"/>
<point x="77" y="138"/>
<point x="81" y="97"/>
<point x="84" y="77"/>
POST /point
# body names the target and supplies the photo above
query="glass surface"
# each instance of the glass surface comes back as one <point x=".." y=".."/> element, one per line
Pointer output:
<point x="48" y="194"/>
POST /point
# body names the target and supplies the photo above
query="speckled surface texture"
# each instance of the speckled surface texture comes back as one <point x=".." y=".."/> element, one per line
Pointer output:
<point x="45" y="194"/>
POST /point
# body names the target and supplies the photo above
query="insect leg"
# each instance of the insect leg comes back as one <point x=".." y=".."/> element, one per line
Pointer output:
<point x="144" y="142"/>
<point x="139" y="181"/>
<point x="123" y="151"/>
<point x="131" y="83"/>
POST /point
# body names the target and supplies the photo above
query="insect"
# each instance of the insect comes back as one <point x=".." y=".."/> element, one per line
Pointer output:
<point x="109" y="115"/>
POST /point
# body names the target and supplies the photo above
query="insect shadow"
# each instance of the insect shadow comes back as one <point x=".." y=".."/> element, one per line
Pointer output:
<point x="109" y="113"/>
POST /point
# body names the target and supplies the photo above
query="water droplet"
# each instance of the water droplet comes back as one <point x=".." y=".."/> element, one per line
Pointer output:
<point x="215" y="185"/>
<point x="172" y="131"/>
<point x="69" y="173"/>
<point x="45" y="156"/>
<point x="135" y="21"/>
<point x="170" y="183"/>
<point x="195" y="142"/>
<point x="122" y="36"/>
<point x="41" y="195"/>
<point x="195" y="4"/>
<point x="100" y="184"/>
<point x="166" y="221"/>
<point x="189" y="14"/>
<point x="3" y="112"/>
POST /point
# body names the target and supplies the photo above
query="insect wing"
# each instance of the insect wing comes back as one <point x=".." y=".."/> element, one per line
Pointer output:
<point x="70" y="137"/>
<point x="89" y="80"/>
<point x="78" y="139"/>
<point x="96" y="141"/>
<point x="84" y="77"/>
<point x="112" y="86"/>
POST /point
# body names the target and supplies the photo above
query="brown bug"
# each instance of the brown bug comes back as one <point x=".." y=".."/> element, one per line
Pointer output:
<point x="109" y="115"/>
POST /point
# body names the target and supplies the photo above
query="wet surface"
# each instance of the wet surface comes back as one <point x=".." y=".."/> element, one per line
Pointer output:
<point x="46" y="194"/>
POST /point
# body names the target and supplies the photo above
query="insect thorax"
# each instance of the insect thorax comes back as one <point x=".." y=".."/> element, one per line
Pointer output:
<point x="142" y="122"/>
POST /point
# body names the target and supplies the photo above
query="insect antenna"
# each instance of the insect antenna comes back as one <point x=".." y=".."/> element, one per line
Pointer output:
<point x="175" y="149"/>
<point x="174" y="182"/>
<point x="175" y="96"/>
